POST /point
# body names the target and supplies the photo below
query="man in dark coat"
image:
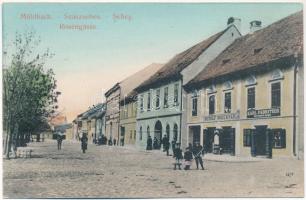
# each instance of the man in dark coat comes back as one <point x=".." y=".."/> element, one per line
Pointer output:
<point x="173" y="146"/>
<point x="198" y="151"/>
<point x="188" y="158"/>
<point x="155" y="143"/>
<point x="59" y="141"/>
<point x="178" y="156"/>
<point x="84" y="141"/>
<point x="166" y="144"/>
<point x="149" y="143"/>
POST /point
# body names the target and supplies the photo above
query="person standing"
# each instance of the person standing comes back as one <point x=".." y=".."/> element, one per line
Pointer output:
<point x="173" y="146"/>
<point x="155" y="143"/>
<point x="149" y="143"/>
<point x="59" y="141"/>
<point x="178" y="156"/>
<point x="198" y="151"/>
<point x="166" y="145"/>
<point x="188" y="158"/>
<point x="84" y="141"/>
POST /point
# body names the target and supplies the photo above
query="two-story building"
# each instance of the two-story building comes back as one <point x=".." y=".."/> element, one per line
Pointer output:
<point x="249" y="100"/>
<point x="161" y="98"/>
<point x="115" y="103"/>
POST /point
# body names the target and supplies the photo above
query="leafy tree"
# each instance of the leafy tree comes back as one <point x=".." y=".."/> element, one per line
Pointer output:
<point x="29" y="91"/>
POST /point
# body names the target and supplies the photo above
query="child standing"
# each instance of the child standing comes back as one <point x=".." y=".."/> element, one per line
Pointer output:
<point x="188" y="158"/>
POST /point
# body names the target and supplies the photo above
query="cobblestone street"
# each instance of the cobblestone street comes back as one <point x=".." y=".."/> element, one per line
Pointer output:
<point x="125" y="172"/>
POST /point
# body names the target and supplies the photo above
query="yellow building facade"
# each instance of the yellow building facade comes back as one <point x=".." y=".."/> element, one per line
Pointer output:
<point x="249" y="100"/>
<point x="127" y="125"/>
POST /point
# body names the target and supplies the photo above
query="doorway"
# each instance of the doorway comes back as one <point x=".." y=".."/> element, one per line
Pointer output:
<point x="194" y="134"/>
<point x="260" y="140"/>
<point x="208" y="138"/>
<point x="122" y="135"/>
<point x="158" y="131"/>
<point x="227" y="140"/>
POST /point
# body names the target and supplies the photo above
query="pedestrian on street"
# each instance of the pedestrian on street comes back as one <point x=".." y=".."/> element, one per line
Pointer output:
<point x="198" y="151"/>
<point x="178" y="156"/>
<point x="84" y="141"/>
<point x="166" y="144"/>
<point x="59" y="141"/>
<point x="188" y="158"/>
<point x="173" y="146"/>
<point x="149" y="143"/>
<point x="155" y="143"/>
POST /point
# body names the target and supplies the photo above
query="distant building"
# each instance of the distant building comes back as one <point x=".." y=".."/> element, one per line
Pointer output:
<point x="115" y="95"/>
<point x="91" y="123"/>
<point x="251" y="96"/>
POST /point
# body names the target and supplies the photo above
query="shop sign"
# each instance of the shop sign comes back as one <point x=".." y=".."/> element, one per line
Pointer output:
<point x="222" y="117"/>
<point x="271" y="112"/>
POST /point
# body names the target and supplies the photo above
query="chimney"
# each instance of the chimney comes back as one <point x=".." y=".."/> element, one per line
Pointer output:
<point x="234" y="21"/>
<point x="255" y="26"/>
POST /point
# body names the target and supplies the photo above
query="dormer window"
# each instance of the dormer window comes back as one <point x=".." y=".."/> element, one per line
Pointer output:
<point x="225" y="61"/>
<point x="257" y="50"/>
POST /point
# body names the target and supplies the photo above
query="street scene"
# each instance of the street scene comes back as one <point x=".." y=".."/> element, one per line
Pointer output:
<point x="121" y="172"/>
<point x="153" y="100"/>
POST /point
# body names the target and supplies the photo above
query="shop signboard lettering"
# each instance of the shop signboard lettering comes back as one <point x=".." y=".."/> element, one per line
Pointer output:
<point x="222" y="117"/>
<point x="271" y="112"/>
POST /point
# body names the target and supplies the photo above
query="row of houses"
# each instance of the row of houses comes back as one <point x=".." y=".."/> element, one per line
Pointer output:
<point x="246" y="92"/>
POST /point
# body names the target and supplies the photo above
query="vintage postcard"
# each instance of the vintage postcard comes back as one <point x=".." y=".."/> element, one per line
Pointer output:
<point x="152" y="100"/>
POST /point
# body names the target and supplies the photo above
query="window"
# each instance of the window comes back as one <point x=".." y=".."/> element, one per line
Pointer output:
<point x="212" y="104"/>
<point x="157" y="98"/>
<point x="175" y="132"/>
<point x="227" y="102"/>
<point x="251" y="98"/>
<point x="140" y="133"/>
<point x="279" y="138"/>
<point x="194" y="106"/>
<point x="148" y="131"/>
<point x="176" y="94"/>
<point x="247" y="135"/>
<point x="149" y="101"/>
<point x="141" y="103"/>
<point x="275" y="95"/>
<point x="166" y="97"/>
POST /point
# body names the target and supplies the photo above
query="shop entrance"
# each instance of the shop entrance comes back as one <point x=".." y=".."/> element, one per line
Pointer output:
<point x="227" y="140"/>
<point x="208" y="138"/>
<point x="260" y="140"/>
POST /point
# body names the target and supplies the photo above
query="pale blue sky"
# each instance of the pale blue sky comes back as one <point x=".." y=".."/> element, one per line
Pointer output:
<point x="97" y="59"/>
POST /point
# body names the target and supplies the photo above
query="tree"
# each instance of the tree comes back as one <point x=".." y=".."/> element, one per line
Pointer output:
<point x="29" y="91"/>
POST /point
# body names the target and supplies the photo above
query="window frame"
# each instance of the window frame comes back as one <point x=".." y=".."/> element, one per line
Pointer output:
<point x="248" y="107"/>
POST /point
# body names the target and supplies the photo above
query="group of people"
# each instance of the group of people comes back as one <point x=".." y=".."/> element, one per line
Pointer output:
<point x="191" y="153"/>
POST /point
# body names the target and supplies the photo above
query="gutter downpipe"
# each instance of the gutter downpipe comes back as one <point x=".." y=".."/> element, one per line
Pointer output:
<point x="181" y="111"/>
<point x="294" y="104"/>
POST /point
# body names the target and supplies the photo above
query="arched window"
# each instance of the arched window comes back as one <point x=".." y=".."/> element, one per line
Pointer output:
<point x="140" y="133"/>
<point x="168" y="130"/>
<point x="211" y="89"/>
<point x="148" y="131"/>
<point x="251" y="80"/>
<point x="227" y="85"/>
<point x="175" y="132"/>
<point x="277" y="74"/>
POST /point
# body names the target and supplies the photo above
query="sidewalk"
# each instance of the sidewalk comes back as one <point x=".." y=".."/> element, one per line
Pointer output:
<point x="229" y="158"/>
